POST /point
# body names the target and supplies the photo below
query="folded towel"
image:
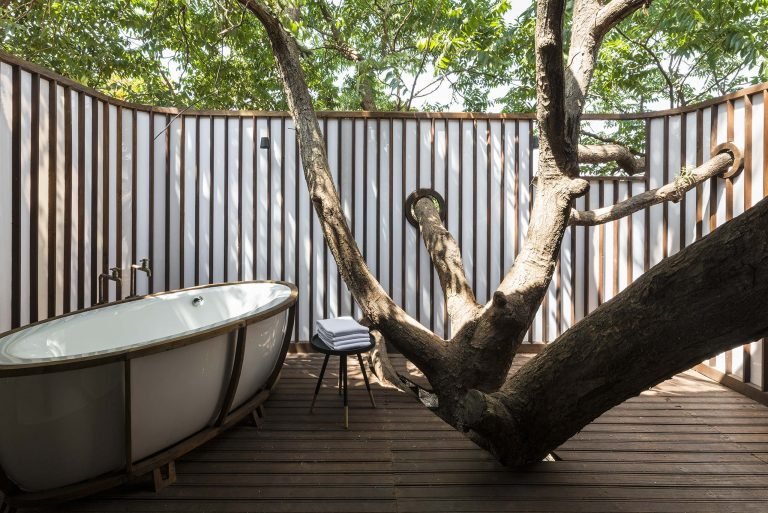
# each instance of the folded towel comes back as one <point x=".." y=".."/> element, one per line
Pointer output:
<point x="340" y="326"/>
<point x="352" y="344"/>
<point x="343" y="338"/>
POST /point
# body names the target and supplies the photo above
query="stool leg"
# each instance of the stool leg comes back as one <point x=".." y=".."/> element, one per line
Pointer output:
<point x="365" y="377"/>
<point x="346" y="405"/>
<point x="341" y="373"/>
<point x="319" y="382"/>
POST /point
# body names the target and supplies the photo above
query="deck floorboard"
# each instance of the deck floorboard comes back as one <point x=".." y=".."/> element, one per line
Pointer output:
<point x="687" y="444"/>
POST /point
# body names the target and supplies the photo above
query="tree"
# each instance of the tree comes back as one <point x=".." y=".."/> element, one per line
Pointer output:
<point x="668" y="320"/>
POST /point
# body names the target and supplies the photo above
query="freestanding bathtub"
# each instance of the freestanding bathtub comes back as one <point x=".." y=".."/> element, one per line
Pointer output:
<point x="91" y="399"/>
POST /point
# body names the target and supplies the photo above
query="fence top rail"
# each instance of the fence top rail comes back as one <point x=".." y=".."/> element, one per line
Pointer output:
<point x="176" y="111"/>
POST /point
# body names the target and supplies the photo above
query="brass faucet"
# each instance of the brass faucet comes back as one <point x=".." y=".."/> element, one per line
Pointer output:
<point x="144" y="267"/>
<point x="115" y="274"/>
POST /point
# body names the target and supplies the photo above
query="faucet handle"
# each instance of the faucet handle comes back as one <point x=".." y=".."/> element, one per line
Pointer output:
<point x="116" y="271"/>
<point x="144" y="263"/>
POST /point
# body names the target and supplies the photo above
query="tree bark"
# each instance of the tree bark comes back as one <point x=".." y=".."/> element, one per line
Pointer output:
<point x="603" y="153"/>
<point x="672" y="191"/>
<point x="709" y="297"/>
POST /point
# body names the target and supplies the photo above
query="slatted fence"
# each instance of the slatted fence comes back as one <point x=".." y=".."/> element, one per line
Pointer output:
<point x="89" y="182"/>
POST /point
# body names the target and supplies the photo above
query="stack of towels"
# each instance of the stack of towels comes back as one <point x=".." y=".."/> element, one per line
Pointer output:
<point x="343" y="333"/>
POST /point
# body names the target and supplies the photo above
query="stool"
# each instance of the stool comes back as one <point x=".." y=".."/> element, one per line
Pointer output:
<point x="319" y="345"/>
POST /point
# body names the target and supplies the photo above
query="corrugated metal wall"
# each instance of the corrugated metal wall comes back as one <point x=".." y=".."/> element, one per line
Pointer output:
<point x="88" y="183"/>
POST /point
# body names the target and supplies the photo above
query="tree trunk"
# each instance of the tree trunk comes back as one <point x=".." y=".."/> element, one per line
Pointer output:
<point x="709" y="297"/>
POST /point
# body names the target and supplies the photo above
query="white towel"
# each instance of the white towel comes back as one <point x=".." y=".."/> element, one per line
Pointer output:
<point x="340" y="326"/>
<point x="352" y="344"/>
<point x="343" y="338"/>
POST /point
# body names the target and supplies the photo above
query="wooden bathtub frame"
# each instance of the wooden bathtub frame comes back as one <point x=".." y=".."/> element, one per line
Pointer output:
<point x="161" y="464"/>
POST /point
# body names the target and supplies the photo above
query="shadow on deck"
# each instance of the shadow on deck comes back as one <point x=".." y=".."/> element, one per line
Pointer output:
<point x="688" y="444"/>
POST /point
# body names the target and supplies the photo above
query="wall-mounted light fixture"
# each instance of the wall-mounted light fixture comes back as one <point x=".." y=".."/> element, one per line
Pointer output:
<point x="264" y="143"/>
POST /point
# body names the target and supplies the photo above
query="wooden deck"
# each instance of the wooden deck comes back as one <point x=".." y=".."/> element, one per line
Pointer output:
<point x="687" y="445"/>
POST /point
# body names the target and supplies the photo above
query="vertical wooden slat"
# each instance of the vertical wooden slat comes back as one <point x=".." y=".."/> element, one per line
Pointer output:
<point x="461" y="184"/>
<point x="34" y="171"/>
<point x="764" y="342"/>
<point x="516" y="190"/>
<point x="134" y="184"/>
<point x="68" y="171"/>
<point x="94" y="198"/>
<point x="241" y="195"/>
<point x="390" y="224"/>
<point x="52" y="167"/>
<point x="616" y="240"/>
<point x="713" y="181"/>
<point x="254" y="185"/>
<point x="225" y="249"/>
<point x="151" y="221"/>
<point x="683" y="161"/>
<point x="80" y="201"/>
<point x="430" y="267"/>
<point x="699" y="161"/>
<point x="446" y="181"/>
<point x="488" y="175"/>
<point x="197" y="202"/>
<point x="211" y="197"/>
<point x="297" y="224"/>
<point x="474" y="205"/>
<point x="167" y="202"/>
<point x="340" y="185"/>
<point x="403" y="222"/>
<point x="729" y="211"/>
<point x="326" y="274"/>
<point x="628" y="242"/>
<point x="119" y="195"/>
<point x="417" y="263"/>
<point x="601" y="247"/>
<point x="182" y="162"/>
<point x="16" y="198"/>
<point x="647" y="235"/>
<point x="747" y="174"/>
<point x="503" y="197"/>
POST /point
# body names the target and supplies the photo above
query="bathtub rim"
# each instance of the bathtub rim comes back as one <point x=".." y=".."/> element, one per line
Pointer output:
<point x="81" y="362"/>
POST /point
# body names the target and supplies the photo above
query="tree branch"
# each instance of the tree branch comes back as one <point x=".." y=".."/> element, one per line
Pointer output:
<point x="643" y="336"/>
<point x="611" y="140"/>
<point x="601" y="153"/>
<point x="613" y="12"/>
<point x="418" y="344"/>
<point x="446" y="258"/>
<point x="672" y="191"/>
<point x="591" y="21"/>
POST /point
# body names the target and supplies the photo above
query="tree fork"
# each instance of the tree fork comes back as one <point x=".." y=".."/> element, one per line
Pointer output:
<point x="646" y="334"/>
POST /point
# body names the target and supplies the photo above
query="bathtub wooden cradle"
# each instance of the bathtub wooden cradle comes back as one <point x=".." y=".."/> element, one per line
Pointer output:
<point x="160" y="463"/>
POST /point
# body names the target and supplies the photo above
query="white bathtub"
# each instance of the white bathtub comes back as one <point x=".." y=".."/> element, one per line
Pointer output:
<point x="119" y="390"/>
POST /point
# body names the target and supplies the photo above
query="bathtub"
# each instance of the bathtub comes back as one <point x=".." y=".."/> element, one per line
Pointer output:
<point x="93" y="398"/>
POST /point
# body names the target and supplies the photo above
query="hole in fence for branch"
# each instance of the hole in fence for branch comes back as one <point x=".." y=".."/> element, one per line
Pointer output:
<point x="738" y="158"/>
<point x="415" y="196"/>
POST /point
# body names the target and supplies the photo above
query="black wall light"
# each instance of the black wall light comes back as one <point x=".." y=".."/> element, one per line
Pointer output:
<point x="264" y="143"/>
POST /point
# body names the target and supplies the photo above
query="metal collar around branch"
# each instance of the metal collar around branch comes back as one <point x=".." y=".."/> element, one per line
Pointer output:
<point x="415" y="196"/>
<point x="738" y="158"/>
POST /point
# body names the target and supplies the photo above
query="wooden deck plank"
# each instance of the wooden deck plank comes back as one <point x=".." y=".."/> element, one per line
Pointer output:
<point x="687" y="444"/>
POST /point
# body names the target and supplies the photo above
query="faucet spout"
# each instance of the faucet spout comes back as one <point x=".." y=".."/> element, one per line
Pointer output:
<point x="143" y="267"/>
<point x="115" y="274"/>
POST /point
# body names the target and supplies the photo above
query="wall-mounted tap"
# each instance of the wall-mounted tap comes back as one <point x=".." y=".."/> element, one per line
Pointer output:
<point x="144" y="267"/>
<point x="115" y="274"/>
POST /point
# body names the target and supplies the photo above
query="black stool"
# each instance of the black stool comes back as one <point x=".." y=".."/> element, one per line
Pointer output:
<point x="319" y="345"/>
